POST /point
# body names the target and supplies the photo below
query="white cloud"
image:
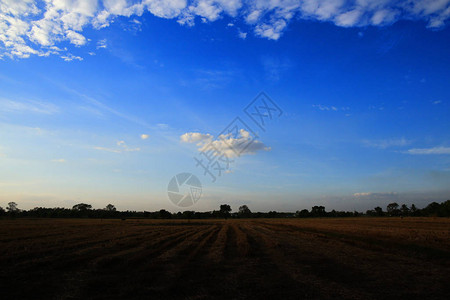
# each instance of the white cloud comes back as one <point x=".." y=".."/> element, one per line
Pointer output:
<point x="75" y="38"/>
<point x="434" y="150"/>
<point x="437" y="102"/>
<point x="32" y="27"/>
<point x="271" y="30"/>
<point x="195" y="137"/>
<point x="225" y="144"/>
<point x="144" y="136"/>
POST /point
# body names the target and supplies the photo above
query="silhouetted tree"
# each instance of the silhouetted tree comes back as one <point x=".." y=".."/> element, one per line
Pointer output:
<point x="2" y="211"/>
<point x="445" y="209"/>
<point x="379" y="211"/>
<point x="110" y="207"/>
<point x="244" y="211"/>
<point x="318" y="211"/>
<point x="188" y="214"/>
<point x="304" y="213"/>
<point x="413" y="210"/>
<point x="164" y="214"/>
<point x="432" y="209"/>
<point x="392" y="209"/>
<point x="82" y="207"/>
<point x="85" y="210"/>
<point x="12" y="207"/>
<point x="225" y="210"/>
<point x="404" y="210"/>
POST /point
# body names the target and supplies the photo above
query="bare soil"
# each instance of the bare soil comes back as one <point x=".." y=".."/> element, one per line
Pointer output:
<point x="358" y="258"/>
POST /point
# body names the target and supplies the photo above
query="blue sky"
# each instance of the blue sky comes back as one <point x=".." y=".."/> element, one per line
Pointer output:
<point x="104" y="101"/>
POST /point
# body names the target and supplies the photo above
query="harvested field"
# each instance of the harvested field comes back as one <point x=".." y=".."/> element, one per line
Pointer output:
<point x="361" y="258"/>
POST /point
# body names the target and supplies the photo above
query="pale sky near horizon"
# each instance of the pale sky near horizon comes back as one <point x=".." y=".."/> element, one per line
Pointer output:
<point x="105" y="101"/>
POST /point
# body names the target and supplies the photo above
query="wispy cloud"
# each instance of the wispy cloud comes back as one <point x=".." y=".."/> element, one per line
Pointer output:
<point x="121" y="147"/>
<point x="101" y="107"/>
<point x="40" y="107"/>
<point x="427" y="151"/>
<point x="144" y="136"/>
<point x="59" y="160"/>
<point x="213" y="79"/>
<point x="330" y="107"/>
<point x="386" y="143"/>
<point x="274" y="67"/>
<point x="375" y="195"/>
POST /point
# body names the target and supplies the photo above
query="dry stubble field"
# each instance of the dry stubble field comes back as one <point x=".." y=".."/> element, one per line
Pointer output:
<point x="362" y="258"/>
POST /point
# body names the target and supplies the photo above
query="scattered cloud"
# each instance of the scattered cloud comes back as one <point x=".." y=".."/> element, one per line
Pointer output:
<point x="424" y="151"/>
<point x="437" y="102"/>
<point x="102" y="44"/>
<point x="144" y="136"/>
<point x="35" y="27"/>
<point x="330" y="107"/>
<point x="386" y="143"/>
<point x="225" y="144"/>
<point x="70" y="57"/>
<point x="121" y="147"/>
<point x="325" y="107"/>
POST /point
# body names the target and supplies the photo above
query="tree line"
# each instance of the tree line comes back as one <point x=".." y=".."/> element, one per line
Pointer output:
<point x="83" y="210"/>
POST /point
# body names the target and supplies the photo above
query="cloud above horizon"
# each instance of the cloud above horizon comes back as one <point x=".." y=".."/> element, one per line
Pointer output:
<point x="429" y="151"/>
<point x="225" y="144"/>
<point x="375" y="195"/>
<point x="39" y="27"/>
